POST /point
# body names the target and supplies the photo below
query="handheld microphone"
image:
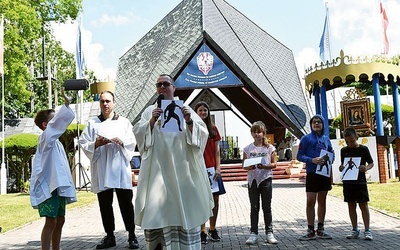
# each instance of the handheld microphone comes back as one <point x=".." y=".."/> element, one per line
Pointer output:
<point x="159" y="98"/>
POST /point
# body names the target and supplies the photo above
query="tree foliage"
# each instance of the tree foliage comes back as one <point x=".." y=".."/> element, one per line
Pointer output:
<point x="19" y="149"/>
<point x="27" y="22"/>
<point x="67" y="139"/>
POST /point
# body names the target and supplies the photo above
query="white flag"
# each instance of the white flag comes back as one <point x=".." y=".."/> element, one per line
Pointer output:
<point x="324" y="47"/>
<point x="79" y="56"/>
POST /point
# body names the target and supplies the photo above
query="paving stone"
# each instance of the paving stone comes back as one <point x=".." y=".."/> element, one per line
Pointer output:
<point x="83" y="228"/>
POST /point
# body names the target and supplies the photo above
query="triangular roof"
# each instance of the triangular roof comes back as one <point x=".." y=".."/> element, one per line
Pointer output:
<point x="271" y="90"/>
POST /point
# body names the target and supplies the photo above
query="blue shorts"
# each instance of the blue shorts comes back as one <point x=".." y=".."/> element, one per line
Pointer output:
<point x="53" y="207"/>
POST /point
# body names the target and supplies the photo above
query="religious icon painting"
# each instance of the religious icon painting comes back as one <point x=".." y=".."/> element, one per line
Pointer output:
<point x="357" y="114"/>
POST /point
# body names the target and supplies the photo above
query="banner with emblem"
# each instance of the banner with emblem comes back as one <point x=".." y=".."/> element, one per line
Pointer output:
<point x="206" y="70"/>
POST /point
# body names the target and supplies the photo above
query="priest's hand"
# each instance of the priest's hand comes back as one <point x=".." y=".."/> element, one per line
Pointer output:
<point x="100" y="141"/>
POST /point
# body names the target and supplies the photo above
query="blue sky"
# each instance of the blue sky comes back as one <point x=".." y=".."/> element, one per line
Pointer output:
<point x="112" y="27"/>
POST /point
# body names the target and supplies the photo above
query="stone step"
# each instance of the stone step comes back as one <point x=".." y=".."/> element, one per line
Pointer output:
<point x="235" y="172"/>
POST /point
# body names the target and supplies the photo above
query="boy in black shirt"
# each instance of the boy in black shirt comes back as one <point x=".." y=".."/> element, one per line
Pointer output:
<point x="356" y="191"/>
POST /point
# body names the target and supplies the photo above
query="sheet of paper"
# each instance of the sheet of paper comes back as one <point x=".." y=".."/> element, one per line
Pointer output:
<point x="351" y="168"/>
<point x="111" y="129"/>
<point x="213" y="183"/>
<point x="326" y="168"/>
<point x="254" y="161"/>
<point x="172" y="117"/>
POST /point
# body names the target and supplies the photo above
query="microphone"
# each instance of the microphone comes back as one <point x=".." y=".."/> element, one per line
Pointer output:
<point x="159" y="98"/>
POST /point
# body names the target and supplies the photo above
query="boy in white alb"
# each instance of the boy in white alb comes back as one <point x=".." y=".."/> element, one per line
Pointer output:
<point x="51" y="181"/>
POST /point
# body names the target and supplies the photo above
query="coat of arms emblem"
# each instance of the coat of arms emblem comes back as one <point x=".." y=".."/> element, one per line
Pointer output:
<point x="205" y="62"/>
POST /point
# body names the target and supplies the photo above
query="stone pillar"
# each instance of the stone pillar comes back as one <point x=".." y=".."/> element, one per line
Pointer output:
<point x="382" y="163"/>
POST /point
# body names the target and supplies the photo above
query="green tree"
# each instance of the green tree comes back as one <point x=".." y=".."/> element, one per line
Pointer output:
<point x="26" y="22"/>
<point x="67" y="139"/>
<point x="19" y="149"/>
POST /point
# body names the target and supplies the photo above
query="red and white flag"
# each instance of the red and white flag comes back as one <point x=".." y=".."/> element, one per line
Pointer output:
<point x="385" y="22"/>
<point x="2" y="46"/>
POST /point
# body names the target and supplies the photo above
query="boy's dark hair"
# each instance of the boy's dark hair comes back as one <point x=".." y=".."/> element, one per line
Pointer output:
<point x="350" y="132"/>
<point x="43" y="116"/>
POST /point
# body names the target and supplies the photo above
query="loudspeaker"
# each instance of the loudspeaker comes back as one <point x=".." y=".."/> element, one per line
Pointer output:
<point x="76" y="84"/>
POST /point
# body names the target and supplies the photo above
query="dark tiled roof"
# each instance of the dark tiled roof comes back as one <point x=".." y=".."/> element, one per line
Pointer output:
<point x="163" y="49"/>
<point x="265" y="66"/>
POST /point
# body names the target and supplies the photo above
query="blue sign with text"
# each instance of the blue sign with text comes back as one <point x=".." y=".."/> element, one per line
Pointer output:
<point x="206" y="70"/>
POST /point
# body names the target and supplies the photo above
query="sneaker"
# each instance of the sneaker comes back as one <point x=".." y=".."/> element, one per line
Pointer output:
<point x="106" y="242"/>
<point x="321" y="234"/>
<point x="213" y="234"/>
<point x="252" y="239"/>
<point x="368" y="235"/>
<point x="355" y="234"/>
<point x="309" y="236"/>
<point x="203" y="237"/>
<point x="271" y="238"/>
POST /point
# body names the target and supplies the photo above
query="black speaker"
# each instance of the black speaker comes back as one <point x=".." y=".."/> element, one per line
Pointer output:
<point x="76" y="84"/>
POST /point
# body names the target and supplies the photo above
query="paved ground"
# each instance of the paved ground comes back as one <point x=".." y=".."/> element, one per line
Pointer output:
<point x="83" y="228"/>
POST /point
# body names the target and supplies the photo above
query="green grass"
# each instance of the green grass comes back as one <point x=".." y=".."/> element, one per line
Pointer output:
<point x="16" y="209"/>
<point x="384" y="197"/>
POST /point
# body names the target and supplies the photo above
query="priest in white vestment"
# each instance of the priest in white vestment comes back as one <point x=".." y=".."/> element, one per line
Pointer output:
<point x="173" y="194"/>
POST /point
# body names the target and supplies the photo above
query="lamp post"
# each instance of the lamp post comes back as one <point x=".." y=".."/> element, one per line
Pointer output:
<point x="391" y="159"/>
<point x="3" y="172"/>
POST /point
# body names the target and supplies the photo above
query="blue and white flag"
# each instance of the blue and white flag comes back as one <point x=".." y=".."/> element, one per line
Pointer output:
<point x="324" y="46"/>
<point x="79" y="56"/>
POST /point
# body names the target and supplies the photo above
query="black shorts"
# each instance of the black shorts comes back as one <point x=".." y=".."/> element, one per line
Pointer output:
<point x="355" y="193"/>
<point x="316" y="183"/>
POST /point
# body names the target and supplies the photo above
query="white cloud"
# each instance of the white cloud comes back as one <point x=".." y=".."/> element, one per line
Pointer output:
<point x="114" y="20"/>
<point x="66" y="34"/>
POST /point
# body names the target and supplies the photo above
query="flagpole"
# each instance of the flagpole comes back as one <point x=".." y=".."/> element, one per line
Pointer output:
<point x="3" y="177"/>
<point x="330" y="59"/>
<point x="3" y="165"/>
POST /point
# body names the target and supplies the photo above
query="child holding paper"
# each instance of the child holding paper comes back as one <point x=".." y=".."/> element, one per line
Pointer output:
<point x="356" y="191"/>
<point x="318" y="184"/>
<point x="259" y="179"/>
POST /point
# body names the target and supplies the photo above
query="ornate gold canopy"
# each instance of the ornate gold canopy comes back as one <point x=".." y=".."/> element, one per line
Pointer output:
<point x="346" y="69"/>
